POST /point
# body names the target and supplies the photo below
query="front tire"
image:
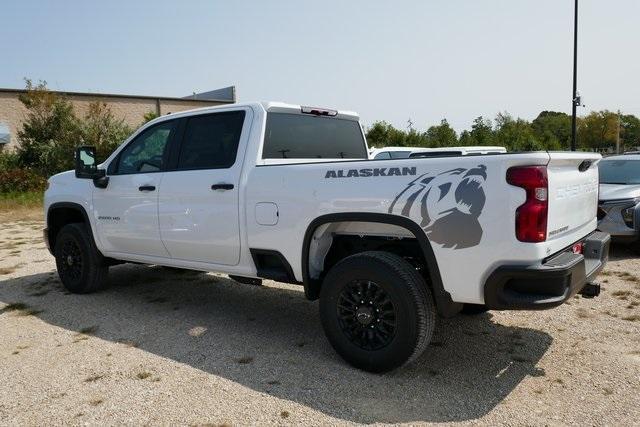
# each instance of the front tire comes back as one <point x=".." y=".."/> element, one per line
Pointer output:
<point x="81" y="267"/>
<point x="377" y="311"/>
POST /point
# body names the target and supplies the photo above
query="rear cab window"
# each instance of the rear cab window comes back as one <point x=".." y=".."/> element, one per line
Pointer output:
<point x="301" y="136"/>
<point x="211" y="141"/>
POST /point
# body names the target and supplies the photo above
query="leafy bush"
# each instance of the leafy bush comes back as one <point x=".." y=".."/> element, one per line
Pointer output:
<point x="102" y="130"/>
<point x="18" y="180"/>
<point x="8" y="160"/>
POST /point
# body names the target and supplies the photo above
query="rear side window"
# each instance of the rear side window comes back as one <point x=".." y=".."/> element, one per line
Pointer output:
<point x="297" y="136"/>
<point x="211" y="141"/>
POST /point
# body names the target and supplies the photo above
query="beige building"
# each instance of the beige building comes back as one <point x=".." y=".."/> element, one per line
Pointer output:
<point x="130" y="108"/>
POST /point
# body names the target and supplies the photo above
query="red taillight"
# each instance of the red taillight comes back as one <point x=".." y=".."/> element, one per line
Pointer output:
<point x="531" y="216"/>
<point x="577" y="248"/>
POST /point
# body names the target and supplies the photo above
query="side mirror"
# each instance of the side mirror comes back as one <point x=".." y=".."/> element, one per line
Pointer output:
<point x="86" y="166"/>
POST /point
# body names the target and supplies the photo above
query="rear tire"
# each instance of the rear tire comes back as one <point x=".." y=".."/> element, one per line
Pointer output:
<point x="81" y="267"/>
<point x="377" y="311"/>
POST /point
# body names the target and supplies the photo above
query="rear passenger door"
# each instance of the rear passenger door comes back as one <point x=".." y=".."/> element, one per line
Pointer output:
<point x="199" y="195"/>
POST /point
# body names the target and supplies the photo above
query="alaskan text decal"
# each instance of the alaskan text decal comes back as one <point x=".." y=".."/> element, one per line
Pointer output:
<point x="448" y="205"/>
<point x="363" y="173"/>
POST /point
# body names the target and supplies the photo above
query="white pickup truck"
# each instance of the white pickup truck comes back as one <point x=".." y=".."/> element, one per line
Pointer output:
<point x="284" y="192"/>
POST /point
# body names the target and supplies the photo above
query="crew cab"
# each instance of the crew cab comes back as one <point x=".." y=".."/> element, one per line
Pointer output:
<point x="287" y="192"/>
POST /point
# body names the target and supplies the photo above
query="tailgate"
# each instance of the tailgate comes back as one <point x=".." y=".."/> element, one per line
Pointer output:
<point x="573" y="196"/>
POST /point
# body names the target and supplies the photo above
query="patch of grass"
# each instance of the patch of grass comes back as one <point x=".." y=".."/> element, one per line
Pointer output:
<point x="622" y="295"/>
<point x="88" y="330"/>
<point x="30" y="200"/>
<point x="628" y="276"/>
<point x="15" y="306"/>
<point x="244" y="360"/>
<point x="93" y="378"/>
<point x="7" y="270"/>
<point x="143" y="375"/>
<point x="285" y="414"/>
<point x="20" y="309"/>
<point x="583" y="314"/>
<point x="96" y="401"/>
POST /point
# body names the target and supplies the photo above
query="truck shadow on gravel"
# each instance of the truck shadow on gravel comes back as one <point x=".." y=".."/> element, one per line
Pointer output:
<point x="270" y="340"/>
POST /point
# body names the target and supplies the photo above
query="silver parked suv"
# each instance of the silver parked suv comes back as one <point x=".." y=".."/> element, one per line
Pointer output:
<point x="619" y="205"/>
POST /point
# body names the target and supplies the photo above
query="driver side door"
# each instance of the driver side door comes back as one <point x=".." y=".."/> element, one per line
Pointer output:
<point x="126" y="211"/>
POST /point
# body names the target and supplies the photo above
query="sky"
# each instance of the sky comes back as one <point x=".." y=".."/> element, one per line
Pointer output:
<point x="422" y="60"/>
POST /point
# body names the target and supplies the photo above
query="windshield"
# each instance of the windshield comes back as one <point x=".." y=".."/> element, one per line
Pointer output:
<point x="619" y="172"/>
<point x="297" y="136"/>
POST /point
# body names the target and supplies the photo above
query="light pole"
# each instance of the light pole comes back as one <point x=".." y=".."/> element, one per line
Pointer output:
<point x="575" y="100"/>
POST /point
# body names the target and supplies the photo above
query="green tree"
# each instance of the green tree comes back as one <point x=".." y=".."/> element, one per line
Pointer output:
<point x="553" y="130"/>
<point x="149" y="115"/>
<point x="630" y="130"/>
<point x="50" y="133"/>
<point x="101" y="129"/>
<point x="383" y="134"/>
<point x="598" y="130"/>
<point x="482" y="132"/>
<point x="516" y="134"/>
<point x="441" y="135"/>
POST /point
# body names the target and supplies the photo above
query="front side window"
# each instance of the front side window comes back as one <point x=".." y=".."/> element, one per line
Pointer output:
<point x="211" y="141"/>
<point x="146" y="152"/>
<point x="298" y="136"/>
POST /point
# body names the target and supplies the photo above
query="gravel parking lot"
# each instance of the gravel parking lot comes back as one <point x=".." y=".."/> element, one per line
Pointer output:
<point x="168" y="347"/>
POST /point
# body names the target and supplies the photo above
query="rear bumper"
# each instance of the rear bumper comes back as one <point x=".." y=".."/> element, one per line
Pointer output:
<point x="549" y="284"/>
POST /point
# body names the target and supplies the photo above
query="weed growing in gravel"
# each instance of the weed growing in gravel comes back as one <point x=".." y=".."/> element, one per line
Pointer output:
<point x="607" y="391"/>
<point x="20" y="309"/>
<point x="285" y="414"/>
<point x="15" y="306"/>
<point x="244" y="360"/>
<point x="583" y="314"/>
<point x="143" y="375"/>
<point x="96" y="401"/>
<point x="7" y="270"/>
<point x="93" y="378"/>
<point x="622" y="295"/>
<point x="89" y="330"/>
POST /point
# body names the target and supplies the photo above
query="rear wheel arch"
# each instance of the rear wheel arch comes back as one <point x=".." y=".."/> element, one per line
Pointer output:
<point x="444" y="303"/>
